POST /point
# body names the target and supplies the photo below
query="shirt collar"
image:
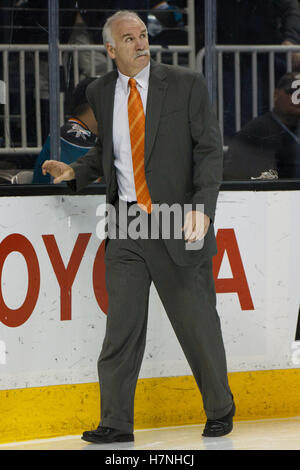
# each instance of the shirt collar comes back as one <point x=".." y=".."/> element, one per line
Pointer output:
<point x="142" y="78"/>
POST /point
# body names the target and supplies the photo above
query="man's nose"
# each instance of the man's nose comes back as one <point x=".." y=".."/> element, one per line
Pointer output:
<point x="140" y="44"/>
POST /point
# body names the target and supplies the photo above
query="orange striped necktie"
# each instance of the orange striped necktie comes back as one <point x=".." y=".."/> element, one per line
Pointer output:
<point x="136" y="119"/>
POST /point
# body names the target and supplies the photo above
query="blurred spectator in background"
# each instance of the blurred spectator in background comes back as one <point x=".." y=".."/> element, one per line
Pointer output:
<point x="165" y="22"/>
<point x="78" y="135"/>
<point x="26" y="22"/>
<point x="251" y="22"/>
<point x="80" y="23"/>
<point x="82" y="36"/>
<point x="268" y="147"/>
<point x="256" y="22"/>
<point x="165" y="26"/>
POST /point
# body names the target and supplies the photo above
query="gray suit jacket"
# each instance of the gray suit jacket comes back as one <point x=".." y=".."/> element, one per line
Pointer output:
<point x="183" y="147"/>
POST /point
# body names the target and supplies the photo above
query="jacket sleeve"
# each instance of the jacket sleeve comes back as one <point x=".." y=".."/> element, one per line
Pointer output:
<point x="208" y="148"/>
<point x="88" y="168"/>
<point x="289" y="13"/>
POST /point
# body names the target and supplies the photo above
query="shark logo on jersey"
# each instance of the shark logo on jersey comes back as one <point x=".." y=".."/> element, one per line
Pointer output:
<point x="79" y="132"/>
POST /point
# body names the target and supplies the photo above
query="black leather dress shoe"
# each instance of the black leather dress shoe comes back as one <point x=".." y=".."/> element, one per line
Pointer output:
<point x="221" y="426"/>
<point x="104" y="435"/>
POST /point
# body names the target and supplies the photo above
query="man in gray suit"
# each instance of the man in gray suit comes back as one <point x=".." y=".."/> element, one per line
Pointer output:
<point x="180" y="153"/>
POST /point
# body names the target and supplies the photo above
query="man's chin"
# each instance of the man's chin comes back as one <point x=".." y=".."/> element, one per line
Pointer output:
<point x="141" y="62"/>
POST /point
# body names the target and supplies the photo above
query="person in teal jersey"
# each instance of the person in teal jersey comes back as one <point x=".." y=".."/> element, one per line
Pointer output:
<point x="77" y="135"/>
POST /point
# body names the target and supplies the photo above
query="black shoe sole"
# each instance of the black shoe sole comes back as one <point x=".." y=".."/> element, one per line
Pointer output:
<point x="218" y="434"/>
<point x="94" y="440"/>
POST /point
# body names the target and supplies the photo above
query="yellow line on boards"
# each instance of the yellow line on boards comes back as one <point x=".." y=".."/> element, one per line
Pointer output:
<point x="44" y="412"/>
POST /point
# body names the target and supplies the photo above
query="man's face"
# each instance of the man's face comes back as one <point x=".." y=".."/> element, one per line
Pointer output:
<point x="284" y="104"/>
<point x="131" y="50"/>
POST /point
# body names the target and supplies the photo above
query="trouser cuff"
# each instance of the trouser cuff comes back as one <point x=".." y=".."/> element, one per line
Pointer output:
<point x="117" y="424"/>
<point x="220" y="413"/>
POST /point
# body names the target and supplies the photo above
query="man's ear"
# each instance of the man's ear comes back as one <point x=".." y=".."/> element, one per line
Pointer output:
<point x="110" y="50"/>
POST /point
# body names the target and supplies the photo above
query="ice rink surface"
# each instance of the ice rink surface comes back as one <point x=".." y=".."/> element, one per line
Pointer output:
<point x="271" y="434"/>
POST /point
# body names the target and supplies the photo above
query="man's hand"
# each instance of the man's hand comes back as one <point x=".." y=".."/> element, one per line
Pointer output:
<point x="195" y="227"/>
<point x="59" y="170"/>
<point x="295" y="55"/>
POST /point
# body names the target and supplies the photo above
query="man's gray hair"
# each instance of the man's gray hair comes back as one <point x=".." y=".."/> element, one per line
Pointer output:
<point x="106" y="31"/>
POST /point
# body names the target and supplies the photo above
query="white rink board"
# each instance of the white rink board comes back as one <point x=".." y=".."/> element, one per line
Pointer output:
<point x="45" y="350"/>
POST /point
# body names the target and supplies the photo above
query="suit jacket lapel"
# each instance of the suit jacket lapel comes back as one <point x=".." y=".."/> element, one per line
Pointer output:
<point x="156" y="92"/>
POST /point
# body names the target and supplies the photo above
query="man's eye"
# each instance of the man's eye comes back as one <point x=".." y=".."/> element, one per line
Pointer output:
<point x="128" y="39"/>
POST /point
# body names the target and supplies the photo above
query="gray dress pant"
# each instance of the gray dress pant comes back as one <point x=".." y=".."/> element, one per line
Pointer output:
<point x="188" y="296"/>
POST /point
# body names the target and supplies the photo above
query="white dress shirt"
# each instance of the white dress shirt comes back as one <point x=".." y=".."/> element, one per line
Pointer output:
<point x="121" y="135"/>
